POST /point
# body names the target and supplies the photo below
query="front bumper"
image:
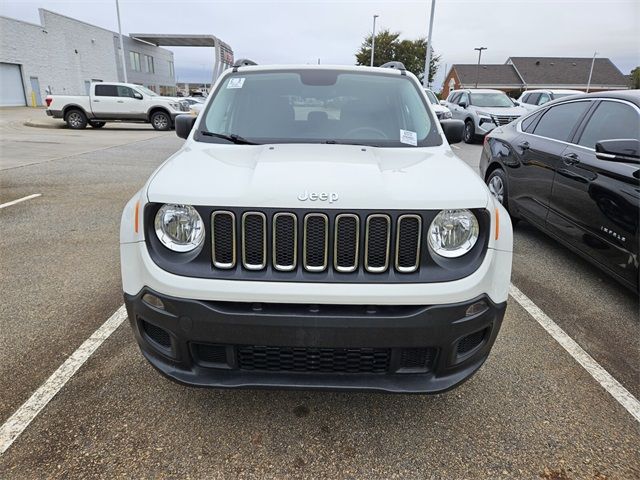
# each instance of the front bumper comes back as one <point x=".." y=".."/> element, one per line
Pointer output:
<point x="425" y="349"/>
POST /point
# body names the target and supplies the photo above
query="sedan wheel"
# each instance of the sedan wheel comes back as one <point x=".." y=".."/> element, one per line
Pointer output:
<point x="496" y="187"/>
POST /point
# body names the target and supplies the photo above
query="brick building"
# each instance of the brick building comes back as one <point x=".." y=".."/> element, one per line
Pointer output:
<point x="527" y="73"/>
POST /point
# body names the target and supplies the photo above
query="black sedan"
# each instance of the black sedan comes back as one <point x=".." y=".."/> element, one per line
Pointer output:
<point x="572" y="169"/>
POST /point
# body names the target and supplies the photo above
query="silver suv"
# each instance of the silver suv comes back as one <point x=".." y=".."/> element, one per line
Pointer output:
<point x="482" y="110"/>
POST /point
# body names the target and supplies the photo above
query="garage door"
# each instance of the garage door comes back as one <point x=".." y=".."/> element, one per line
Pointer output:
<point x="11" y="88"/>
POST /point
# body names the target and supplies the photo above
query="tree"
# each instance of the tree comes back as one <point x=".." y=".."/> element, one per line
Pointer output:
<point x="389" y="48"/>
<point x="635" y="76"/>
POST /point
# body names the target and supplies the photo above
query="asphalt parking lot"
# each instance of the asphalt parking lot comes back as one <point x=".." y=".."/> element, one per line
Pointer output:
<point x="532" y="411"/>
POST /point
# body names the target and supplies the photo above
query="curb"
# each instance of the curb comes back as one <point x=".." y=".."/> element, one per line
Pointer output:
<point x="30" y="123"/>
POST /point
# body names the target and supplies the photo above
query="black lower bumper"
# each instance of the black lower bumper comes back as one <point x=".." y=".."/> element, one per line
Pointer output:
<point x="426" y="349"/>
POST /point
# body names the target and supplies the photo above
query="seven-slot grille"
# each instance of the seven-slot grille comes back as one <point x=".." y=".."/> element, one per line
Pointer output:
<point x="316" y="243"/>
<point x="503" y="119"/>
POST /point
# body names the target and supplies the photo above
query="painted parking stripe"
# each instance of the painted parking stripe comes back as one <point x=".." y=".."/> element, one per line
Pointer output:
<point x="604" y="378"/>
<point x="23" y="199"/>
<point x="456" y="147"/>
<point x="21" y="419"/>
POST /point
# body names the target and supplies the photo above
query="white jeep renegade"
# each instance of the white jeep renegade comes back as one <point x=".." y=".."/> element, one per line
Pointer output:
<point x="316" y="231"/>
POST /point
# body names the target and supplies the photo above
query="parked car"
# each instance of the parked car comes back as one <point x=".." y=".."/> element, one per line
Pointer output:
<point x="285" y="247"/>
<point x="193" y="100"/>
<point x="533" y="99"/>
<point x="109" y="102"/>
<point x="572" y="169"/>
<point x="442" y="112"/>
<point x="482" y="110"/>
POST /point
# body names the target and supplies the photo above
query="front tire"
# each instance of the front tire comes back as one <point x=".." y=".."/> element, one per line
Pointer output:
<point x="76" y="119"/>
<point x="469" y="132"/>
<point x="161" y="121"/>
<point x="497" y="183"/>
<point x="97" y="124"/>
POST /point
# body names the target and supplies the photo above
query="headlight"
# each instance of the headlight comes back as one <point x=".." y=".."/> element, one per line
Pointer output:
<point x="453" y="233"/>
<point x="447" y="114"/>
<point x="174" y="105"/>
<point x="179" y="227"/>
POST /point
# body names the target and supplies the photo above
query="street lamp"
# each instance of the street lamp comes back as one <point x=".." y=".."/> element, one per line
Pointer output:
<point x="479" y="49"/>
<point x="373" y="38"/>
<point x="591" y="71"/>
<point x="427" y="62"/>
<point x="124" y="65"/>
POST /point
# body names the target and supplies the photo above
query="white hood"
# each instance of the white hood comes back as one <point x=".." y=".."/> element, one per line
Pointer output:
<point x="354" y="177"/>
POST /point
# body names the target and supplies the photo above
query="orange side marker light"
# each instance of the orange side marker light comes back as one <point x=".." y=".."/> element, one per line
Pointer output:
<point x="497" y="223"/>
<point x="135" y="226"/>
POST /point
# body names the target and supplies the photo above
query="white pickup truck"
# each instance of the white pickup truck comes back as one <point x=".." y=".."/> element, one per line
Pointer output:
<point x="109" y="102"/>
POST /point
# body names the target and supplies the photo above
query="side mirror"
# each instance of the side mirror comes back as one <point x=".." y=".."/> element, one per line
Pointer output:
<point x="184" y="124"/>
<point x="463" y="104"/>
<point x="619" y="150"/>
<point x="453" y="130"/>
<point x="516" y="103"/>
<point x="137" y="95"/>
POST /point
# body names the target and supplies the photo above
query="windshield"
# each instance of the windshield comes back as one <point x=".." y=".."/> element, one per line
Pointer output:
<point x="432" y="98"/>
<point x="319" y="106"/>
<point x="146" y="91"/>
<point x="491" y="100"/>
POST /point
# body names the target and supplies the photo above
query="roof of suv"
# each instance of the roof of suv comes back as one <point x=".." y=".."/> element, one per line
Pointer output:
<point x="553" y="90"/>
<point x="632" y="96"/>
<point x="477" y="90"/>
<point x="345" y="68"/>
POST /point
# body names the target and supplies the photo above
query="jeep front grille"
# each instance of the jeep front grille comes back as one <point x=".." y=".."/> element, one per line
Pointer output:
<point x="316" y="242"/>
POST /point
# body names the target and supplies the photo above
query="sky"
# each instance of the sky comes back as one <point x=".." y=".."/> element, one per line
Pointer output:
<point x="305" y="31"/>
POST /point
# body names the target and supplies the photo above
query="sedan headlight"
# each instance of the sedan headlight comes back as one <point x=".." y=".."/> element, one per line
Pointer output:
<point x="453" y="233"/>
<point x="179" y="227"/>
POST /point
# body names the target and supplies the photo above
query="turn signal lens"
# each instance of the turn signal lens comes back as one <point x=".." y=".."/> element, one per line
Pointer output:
<point x="476" y="308"/>
<point x="152" y="300"/>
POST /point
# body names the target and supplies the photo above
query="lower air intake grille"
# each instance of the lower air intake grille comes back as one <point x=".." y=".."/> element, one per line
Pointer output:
<point x="470" y="342"/>
<point x="157" y="334"/>
<point x="323" y="360"/>
<point x="416" y="358"/>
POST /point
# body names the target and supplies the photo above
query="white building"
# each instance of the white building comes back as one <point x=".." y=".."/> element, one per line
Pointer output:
<point x="63" y="55"/>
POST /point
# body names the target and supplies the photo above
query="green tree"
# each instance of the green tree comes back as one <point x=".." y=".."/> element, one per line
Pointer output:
<point x="389" y="48"/>
<point x="634" y="77"/>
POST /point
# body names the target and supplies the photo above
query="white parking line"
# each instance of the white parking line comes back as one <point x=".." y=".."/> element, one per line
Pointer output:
<point x="30" y="409"/>
<point x="20" y="420"/>
<point x="604" y="378"/>
<point x="456" y="147"/>
<point x="13" y="202"/>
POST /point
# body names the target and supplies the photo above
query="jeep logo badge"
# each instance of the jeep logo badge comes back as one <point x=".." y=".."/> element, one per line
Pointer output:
<point x="322" y="196"/>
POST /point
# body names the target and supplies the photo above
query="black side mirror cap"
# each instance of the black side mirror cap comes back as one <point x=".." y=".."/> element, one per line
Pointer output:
<point x="184" y="124"/>
<point x="137" y="96"/>
<point x="453" y="130"/>
<point x="463" y="104"/>
<point x="619" y="150"/>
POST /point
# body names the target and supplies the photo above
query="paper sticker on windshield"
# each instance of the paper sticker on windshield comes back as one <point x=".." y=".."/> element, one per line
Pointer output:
<point x="235" y="82"/>
<point x="408" y="137"/>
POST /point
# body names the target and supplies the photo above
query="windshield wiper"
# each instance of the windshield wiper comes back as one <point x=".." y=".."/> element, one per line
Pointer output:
<point x="232" y="138"/>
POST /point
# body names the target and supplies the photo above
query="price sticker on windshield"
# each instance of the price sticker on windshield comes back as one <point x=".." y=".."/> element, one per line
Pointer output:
<point x="235" y="82"/>
<point x="408" y="137"/>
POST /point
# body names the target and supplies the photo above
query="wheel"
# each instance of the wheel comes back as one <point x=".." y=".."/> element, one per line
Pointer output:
<point x="497" y="183"/>
<point x="161" y="121"/>
<point x="97" y="124"/>
<point x="469" y="132"/>
<point x="76" y="119"/>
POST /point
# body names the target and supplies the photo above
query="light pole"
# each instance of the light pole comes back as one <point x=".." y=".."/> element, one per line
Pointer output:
<point x="373" y="38"/>
<point x="124" y="65"/>
<point x="591" y="71"/>
<point x="427" y="62"/>
<point x="480" y="49"/>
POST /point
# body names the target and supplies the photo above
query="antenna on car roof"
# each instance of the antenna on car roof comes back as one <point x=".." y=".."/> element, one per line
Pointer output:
<point x="243" y="62"/>
<point x="397" y="65"/>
